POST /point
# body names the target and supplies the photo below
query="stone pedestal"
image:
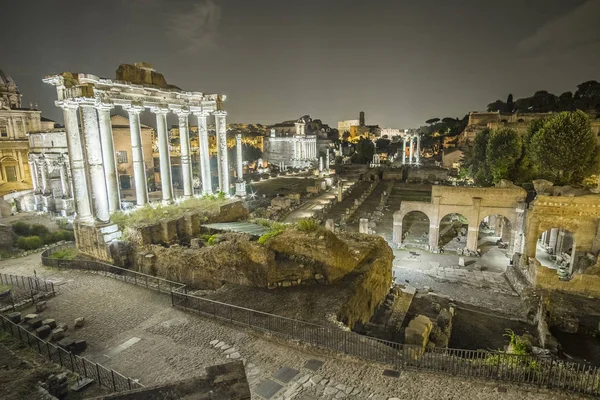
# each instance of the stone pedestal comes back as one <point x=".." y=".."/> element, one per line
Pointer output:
<point x="240" y="189"/>
<point x="363" y="226"/>
<point x="94" y="239"/>
<point x="65" y="207"/>
<point x="329" y="225"/>
<point x="47" y="203"/>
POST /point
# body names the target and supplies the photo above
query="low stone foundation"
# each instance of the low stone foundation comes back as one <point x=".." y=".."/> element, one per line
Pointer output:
<point x="226" y="381"/>
<point x="94" y="240"/>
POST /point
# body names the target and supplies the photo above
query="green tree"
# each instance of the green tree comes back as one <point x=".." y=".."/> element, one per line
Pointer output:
<point x="564" y="148"/>
<point x="475" y="159"/>
<point x="364" y="151"/>
<point x="346" y="136"/>
<point x="383" y="144"/>
<point x="502" y="153"/>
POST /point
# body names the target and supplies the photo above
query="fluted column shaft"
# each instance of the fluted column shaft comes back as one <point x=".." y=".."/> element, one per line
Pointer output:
<point x="418" y="149"/>
<point x="93" y="149"/>
<point x="186" y="163"/>
<point x="164" y="156"/>
<point x="109" y="159"/>
<point x="64" y="178"/>
<point x="76" y="162"/>
<point x="412" y="150"/>
<point x="223" y="163"/>
<point x="238" y="151"/>
<point x="204" y="153"/>
<point x="137" y="156"/>
<point x="34" y="174"/>
<point x="44" y="172"/>
<point x="404" y="151"/>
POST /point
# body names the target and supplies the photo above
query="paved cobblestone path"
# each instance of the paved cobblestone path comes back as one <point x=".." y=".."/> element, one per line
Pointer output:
<point x="138" y="333"/>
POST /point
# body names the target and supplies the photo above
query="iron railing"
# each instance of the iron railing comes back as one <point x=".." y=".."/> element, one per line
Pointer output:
<point x="23" y="290"/>
<point x="82" y="366"/>
<point x="500" y="366"/>
<point x="136" y="278"/>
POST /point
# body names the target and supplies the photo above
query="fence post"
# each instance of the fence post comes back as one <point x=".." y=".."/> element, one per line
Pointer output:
<point x="549" y="374"/>
<point x="129" y="383"/>
<point x="98" y="374"/>
<point x="72" y="364"/>
<point x="172" y="299"/>
<point x="60" y="357"/>
<point x="112" y="372"/>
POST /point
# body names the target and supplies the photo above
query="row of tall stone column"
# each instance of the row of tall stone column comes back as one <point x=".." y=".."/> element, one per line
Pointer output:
<point x="414" y="156"/>
<point x="305" y="149"/>
<point x="97" y="197"/>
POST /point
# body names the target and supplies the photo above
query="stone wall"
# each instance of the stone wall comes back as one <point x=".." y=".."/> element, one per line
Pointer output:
<point x="90" y="241"/>
<point x="170" y="230"/>
<point x="226" y="381"/>
<point x="587" y="284"/>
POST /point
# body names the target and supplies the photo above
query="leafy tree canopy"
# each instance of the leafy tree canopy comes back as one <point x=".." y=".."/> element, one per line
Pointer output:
<point x="564" y="148"/>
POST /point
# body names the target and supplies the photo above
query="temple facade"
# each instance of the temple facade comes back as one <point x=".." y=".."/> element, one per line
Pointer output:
<point x="87" y="101"/>
<point x="297" y="150"/>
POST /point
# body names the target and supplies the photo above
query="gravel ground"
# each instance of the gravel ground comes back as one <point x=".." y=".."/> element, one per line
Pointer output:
<point x="175" y="345"/>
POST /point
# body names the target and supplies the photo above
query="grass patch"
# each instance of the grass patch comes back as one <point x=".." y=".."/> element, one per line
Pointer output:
<point x="156" y="212"/>
<point x="308" y="225"/>
<point x="66" y="254"/>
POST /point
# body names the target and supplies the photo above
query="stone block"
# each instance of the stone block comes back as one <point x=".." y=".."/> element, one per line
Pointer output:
<point x="50" y="322"/>
<point x="66" y="343"/>
<point x="29" y="317"/>
<point x="43" y="331"/>
<point x="79" y="346"/>
<point x="57" y="334"/>
<point x="63" y="326"/>
<point x="461" y="261"/>
<point x="14" y="317"/>
<point x="79" y="322"/>
<point x="34" y="323"/>
<point x="40" y="306"/>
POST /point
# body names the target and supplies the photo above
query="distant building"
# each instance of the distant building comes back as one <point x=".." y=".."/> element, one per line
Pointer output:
<point x="359" y="130"/>
<point x="478" y="121"/>
<point x="297" y="149"/>
<point x="346" y="126"/>
<point x="391" y="133"/>
<point x="15" y="124"/>
<point x="122" y="141"/>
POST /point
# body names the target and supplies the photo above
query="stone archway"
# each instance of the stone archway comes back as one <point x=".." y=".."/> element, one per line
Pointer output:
<point x="453" y="232"/>
<point x="415" y="229"/>
<point x="9" y="170"/>
<point x="495" y="230"/>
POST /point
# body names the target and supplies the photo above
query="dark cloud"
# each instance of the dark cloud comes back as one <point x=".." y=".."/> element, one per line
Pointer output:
<point x="566" y="33"/>
<point x="195" y="26"/>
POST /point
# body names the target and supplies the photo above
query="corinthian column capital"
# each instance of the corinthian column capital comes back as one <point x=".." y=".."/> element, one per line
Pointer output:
<point x="133" y="108"/>
<point x="67" y="104"/>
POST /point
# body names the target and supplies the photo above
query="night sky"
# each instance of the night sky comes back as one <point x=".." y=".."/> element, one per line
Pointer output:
<point x="402" y="62"/>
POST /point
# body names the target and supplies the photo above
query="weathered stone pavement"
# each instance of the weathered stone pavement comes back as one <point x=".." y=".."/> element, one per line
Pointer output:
<point x="175" y="345"/>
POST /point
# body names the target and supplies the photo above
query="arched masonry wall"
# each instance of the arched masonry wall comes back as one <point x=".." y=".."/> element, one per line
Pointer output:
<point x="578" y="215"/>
<point x="472" y="203"/>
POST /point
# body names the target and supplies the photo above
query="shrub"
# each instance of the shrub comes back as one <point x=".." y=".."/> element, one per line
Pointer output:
<point x="308" y="225"/>
<point x="38" y="230"/>
<point x="212" y="240"/>
<point x="29" y="242"/>
<point x="269" y="235"/>
<point x="66" y="254"/>
<point x="21" y="228"/>
<point x="59" y="235"/>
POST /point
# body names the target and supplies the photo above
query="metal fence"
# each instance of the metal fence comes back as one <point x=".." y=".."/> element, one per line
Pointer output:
<point x="512" y="368"/>
<point x="79" y="365"/>
<point x="23" y="290"/>
<point x="136" y="278"/>
<point x="544" y="372"/>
